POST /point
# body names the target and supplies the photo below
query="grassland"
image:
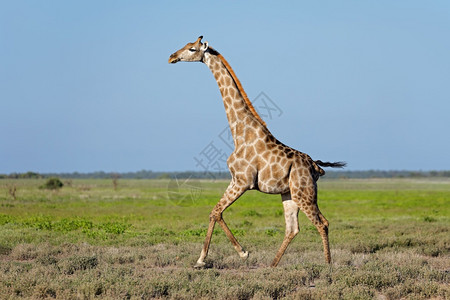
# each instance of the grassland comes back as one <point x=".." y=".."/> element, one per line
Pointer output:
<point x="389" y="239"/>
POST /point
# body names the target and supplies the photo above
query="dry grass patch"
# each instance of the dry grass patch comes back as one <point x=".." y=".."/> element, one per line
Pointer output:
<point x="389" y="240"/>
<point x="164" y="271"/>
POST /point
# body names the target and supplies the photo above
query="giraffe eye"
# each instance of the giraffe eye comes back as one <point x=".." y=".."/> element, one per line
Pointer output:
<point x="192" y="50"/>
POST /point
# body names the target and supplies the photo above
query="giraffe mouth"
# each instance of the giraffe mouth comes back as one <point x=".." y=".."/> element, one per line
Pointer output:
<point x="173" y="60"/>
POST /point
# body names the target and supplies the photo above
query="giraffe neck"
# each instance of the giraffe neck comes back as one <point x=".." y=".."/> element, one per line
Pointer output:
<point x="240" y="111"/>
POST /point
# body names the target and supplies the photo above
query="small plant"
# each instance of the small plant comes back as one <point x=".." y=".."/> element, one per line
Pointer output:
<point x="12" y="189"/>
<point x="251" y="213"/>
<point x="53" y="183"/>
<point x="78" y="263"/>
<point x="429" y="219"/>
<point x="194" y="232"/>
<point x="271" y="231"/>
<point x="114" y="227"/>
<point x="115" y="179"/>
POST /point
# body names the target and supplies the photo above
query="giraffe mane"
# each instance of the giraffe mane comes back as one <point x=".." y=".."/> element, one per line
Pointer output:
<point x="241" y="89"/>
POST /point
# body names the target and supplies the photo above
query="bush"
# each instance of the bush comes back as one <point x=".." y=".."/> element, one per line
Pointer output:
<point x="52" y="183"/>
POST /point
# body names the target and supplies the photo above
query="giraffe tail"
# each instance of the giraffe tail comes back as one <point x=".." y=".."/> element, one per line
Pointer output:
<point x="338" y="164"/>
<point x="321" y="172"/>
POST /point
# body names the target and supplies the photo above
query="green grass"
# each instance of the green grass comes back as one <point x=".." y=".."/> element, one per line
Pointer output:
<point x="389" y="240"/>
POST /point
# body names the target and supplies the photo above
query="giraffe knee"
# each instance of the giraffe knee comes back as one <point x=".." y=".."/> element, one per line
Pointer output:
<point x="294" y="232"/>
<point x="215" y="216"/>
<point x="324" y="225"/>
<point x="323" y="228"/>
<point x="324" y="221"/>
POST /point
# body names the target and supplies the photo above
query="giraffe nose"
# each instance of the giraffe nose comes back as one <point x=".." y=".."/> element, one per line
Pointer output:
<point x="173" y="59"/>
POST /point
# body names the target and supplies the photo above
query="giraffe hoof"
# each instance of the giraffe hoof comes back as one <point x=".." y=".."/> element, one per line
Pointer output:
<point x="244" y="255"/>
<point x="200" y="265"/>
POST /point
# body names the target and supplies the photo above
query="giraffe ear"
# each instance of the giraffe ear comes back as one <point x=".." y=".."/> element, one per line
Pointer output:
<point x="204" y="46"/>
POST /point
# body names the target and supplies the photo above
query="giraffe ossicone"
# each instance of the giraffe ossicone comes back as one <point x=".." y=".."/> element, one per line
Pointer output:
<point x="259" y="161"/>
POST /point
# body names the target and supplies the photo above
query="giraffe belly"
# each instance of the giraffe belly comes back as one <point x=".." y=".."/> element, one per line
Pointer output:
<point x="273" y="180"/>
<point x="274" y="186"/>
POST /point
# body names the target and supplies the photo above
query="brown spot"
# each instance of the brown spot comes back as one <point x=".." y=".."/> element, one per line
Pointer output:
<point x="239" y="153"/>
<point x="302" y="172"/>
<point x="260" y="146"/>
<point x="284" y="162"/>
<point x="256" y="162"/>
<point x="276" y="171"/>
<point x="225" y="93"/>
<point x="264" y="174"/>
<point x="241" y="164"/>
<point x="266" y="155"/>
<point x="272" y="182"/>
<point x="241" y="115"/>
<point x="232" y="92"/>
<point x="227" y="100"/>
<point x="233" y="116"/>
<point x="289" y="152"/>
<point x="239" y="129"/>
<point x="249" y="153"/>
<point x="259" y="132"/>
<point x="250" y="134"/>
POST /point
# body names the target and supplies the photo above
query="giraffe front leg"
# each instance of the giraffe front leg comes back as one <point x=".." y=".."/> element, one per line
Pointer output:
<point x="200" y="262"/>
<point x="231" y="194"/>
<point x="243" y="254"/>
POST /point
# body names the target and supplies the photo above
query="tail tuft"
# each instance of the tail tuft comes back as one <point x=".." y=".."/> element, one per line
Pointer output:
<point x="338" y="164"/>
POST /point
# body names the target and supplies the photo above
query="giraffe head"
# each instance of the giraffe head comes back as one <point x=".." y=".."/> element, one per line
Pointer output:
<point x="191" y="52"/>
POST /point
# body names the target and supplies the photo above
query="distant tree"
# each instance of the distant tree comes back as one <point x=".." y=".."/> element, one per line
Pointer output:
<point x="31" y="175"/>
<point x="53" y="183"/>
<point x="164" y="176"/>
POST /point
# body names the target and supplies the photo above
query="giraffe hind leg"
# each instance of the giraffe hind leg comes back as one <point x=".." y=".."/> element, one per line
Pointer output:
<point x="324" y="234"/>
<point x="304" y="193"/>
<point x="291" y="218"/>
<point x="318" y="220"/>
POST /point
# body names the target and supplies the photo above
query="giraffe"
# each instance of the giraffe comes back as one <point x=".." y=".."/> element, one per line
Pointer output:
<point x="259" y="161"/>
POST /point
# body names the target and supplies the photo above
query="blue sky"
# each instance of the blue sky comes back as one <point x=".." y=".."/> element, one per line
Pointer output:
<point x="85" y="85"/>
